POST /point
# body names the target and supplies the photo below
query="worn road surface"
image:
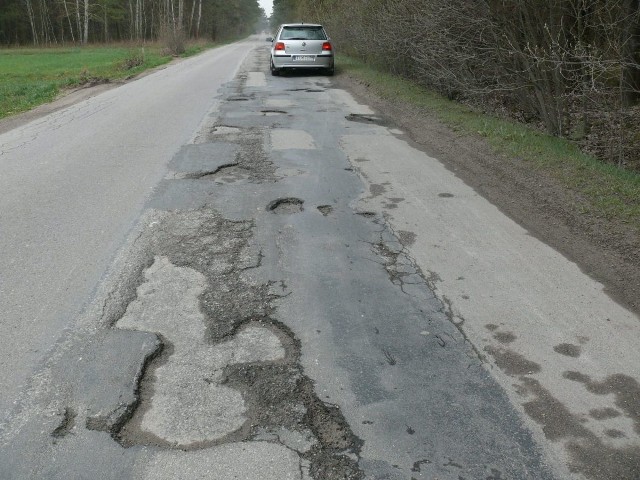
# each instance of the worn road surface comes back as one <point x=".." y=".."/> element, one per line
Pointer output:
<point x="215" y="273"/>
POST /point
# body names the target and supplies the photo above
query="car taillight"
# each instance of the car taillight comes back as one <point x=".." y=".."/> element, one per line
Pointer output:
<point x="326" y="46"/>
<point x="279" y="46"/>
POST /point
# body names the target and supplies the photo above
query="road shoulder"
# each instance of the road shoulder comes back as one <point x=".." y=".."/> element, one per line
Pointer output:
<point x="607" y="251"/>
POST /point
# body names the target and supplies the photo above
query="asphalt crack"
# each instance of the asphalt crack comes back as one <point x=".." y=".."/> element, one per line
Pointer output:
<point x="403" y="270"/>
<point x="212" y="173"/>
<point x="391" y="360"/>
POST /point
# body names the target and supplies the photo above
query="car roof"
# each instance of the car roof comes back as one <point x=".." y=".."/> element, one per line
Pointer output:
<point x="301" y="25"/>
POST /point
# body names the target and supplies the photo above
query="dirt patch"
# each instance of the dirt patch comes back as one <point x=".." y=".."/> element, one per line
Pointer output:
<point x="568" y="350"/>
<point x="606" y="250"/>
<point x="625" y="389"/>
<point x="512" y="363"/>
<point x="588" y="455"/>
<point x="505" y="337"/>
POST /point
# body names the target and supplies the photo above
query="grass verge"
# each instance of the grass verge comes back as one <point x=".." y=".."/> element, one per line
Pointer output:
<point x="608" y="191"/>
<point x="30" y="77"/>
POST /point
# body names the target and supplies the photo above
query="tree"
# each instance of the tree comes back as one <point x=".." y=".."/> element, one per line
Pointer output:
<point x="631" y="42"/>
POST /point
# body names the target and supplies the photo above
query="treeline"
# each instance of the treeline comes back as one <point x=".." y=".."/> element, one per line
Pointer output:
<point x="60" y="22"/>
<point x="570" y="66"/>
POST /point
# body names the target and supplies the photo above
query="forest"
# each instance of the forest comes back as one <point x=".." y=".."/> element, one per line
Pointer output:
<point x="63" y="22"/>
<point x="569" y="67"/>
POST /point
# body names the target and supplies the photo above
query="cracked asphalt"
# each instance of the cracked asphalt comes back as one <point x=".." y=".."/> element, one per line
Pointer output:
<point x="268" y="316"/>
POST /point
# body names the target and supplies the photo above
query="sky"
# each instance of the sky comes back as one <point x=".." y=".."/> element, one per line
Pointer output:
<point x="267" y="6"/>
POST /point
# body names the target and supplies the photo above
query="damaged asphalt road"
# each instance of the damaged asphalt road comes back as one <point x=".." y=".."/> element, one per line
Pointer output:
<point x="267" y="319"/>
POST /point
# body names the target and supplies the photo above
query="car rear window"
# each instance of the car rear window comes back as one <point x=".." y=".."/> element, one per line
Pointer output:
<point x="303" y="33"/>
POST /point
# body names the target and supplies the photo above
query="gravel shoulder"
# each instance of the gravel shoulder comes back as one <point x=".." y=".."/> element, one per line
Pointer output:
<point x="606" y="250"/>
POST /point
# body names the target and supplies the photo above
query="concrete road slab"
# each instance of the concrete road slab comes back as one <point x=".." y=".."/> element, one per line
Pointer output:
<point x="548" y="328"/>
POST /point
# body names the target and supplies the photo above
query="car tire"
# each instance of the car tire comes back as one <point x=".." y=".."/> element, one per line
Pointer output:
<point x="331" y="71"/>
<point x="274" y="71"/>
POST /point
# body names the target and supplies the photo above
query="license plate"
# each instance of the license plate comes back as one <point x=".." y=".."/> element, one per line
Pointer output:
<point x="304" y="58"/>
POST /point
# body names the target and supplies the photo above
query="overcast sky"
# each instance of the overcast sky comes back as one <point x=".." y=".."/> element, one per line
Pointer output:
<point x="267" y="6"/>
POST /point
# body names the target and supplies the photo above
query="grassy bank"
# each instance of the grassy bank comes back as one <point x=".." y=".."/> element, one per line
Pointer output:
<point x="30" y="77"/>
<point x="610" y="192"/>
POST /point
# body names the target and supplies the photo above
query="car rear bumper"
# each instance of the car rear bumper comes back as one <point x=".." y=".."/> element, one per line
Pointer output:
<point x="287" y="61"/>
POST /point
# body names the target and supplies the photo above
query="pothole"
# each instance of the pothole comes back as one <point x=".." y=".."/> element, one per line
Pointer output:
<point x="273" y="112"/>
<point x="446" y="195"/>
<point x="310" y="90"/>
<point x="244" y="159"/>
<point x="367" y="214"/>
<point x="239" y="98"/>
<point x="184" y="403"/>
<point x="286" y="206"/>
<point x="67" y="423"/>
<point x="229" y="374"/>
<point x="283" y="407"/>
<point x="325" y="209"/>
<point x="368" y="119"/>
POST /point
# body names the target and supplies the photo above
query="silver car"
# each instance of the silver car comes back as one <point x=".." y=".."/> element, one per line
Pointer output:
<point x="302" y="46"/>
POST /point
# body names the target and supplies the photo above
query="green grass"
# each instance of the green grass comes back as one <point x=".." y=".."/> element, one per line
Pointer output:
<point x="30" y="77"/>
<point x="608" y="191"/>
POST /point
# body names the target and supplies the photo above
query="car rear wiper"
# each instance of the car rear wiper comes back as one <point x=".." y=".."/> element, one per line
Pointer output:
<point x="297" y="38"/>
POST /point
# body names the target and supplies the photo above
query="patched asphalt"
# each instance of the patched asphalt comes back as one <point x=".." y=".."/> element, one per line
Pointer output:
<point x="257" y="325"/>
